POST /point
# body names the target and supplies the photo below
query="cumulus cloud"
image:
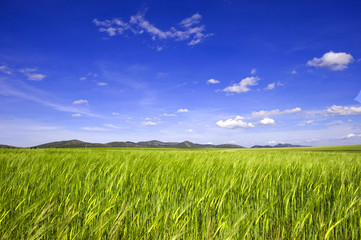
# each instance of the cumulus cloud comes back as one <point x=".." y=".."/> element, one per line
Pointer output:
<point x="81" y="101"/>
<point x="76" y="115"/>
<point x="5" y="69"/>
<point x="334" y="61"/>
<point x="343" y="110"/>
<point x="243" y="85"/>
<point x="263" y="113"/>
<point x="190" y="31"/>
<point x="182" y="110"/>
<point x="266" y="121"/>
<point x="234" y="123"/>
<point x="212" y="81"/>
<point x="102" y="84"/>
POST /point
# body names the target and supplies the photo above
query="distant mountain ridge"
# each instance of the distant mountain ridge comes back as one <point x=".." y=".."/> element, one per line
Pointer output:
<point x="146" y="144"/>
<point x="280" y="145"/>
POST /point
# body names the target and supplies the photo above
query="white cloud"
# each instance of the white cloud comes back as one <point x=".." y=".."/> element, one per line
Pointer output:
<point x="192" y="31"/>
<point x="36" y="76"/>
<point x="343" y="110"/>
<point x="169" y="114"/>
<point x="266" y="121"/>
<point x="148" y="123"/>
<point x="182" y="110"/>
<point x="294" y="71"/>
<point x="115" y="114"/>
<point x="309" y="122"/>
<point x="188" y="22"/>
<point x="313" y="140"/>
<point x="352" y="135"/>
<point x="253" y="71"/>
<point x="5" y="69"/>
<point x="112" y="126"/>
<point x="212" y="81"/>
<point x="243" y="85"/>
<point x="270" y="86"/>
<point x="102" y="84"/>
<point x="81" y="101"/>
<point x="263" y="113"/>
<point x="272" y="142"/>
<point x="30" y="73"/>
<point x="76" y="115"/>
<point x="28" y="70"/>
<point x="334" y="61"/>
<point x="189" y="130"/>
<point x="82" y="78"/>
<point x="234" y="123"/>
<point x="93" y="129"/>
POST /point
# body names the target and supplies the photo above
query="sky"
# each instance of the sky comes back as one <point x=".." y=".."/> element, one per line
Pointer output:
<point x="222" y="71"/>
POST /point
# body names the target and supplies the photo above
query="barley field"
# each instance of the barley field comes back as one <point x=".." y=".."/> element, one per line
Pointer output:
<point x="118" y="193"/>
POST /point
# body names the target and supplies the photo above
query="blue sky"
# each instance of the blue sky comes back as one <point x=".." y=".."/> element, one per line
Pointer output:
<point x="244" y="72"/>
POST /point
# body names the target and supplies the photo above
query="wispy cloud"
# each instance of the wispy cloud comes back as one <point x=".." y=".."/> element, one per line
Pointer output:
<point x="351" y="135"/>
<point x="334" y="61"/>
<point x="102" y="84"/>
<point x="5" y="69"/>
<point x="23" y="91"/>
<point x="112" y="126"/>
<point x="191" y="30"/>
<point x="93" y="129"/>
<point x="270" y="86"/>
<point x="263" y="113"/>
<point x="148" y="123"/>
<point x="169" y="114"/>
<point x="32" y="75"/>
<point x="81" y="101"/>
<point x="243" y="85"/>
<point x="253" y="71"/>
<point x="76" y="115"/>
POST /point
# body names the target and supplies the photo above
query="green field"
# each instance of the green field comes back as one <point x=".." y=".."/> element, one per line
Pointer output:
<point x="109" y="193"/>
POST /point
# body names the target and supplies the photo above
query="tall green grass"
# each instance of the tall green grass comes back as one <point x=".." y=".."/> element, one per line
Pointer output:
<point x="179" y="194"/>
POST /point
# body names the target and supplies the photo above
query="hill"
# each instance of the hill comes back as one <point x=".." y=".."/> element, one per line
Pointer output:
<point x="280" y="145"/>
<point x="146" y="144"/>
